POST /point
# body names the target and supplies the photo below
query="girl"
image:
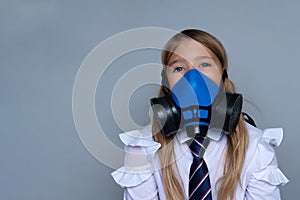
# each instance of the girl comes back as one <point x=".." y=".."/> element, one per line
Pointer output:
<point x="240" y="164"/>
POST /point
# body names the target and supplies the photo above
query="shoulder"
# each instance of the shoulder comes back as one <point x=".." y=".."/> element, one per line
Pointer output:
<point x="262" y="143"/>
<point x="139" y="142"/>
<point x="139" y="138"/>
<point x="269" y="136"/>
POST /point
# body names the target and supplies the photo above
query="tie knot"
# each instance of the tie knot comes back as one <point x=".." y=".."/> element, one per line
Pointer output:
<point x="198" y="145"/>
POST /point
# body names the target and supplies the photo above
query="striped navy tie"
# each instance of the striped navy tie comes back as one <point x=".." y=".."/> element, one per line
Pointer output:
<point x="199" y="185"/>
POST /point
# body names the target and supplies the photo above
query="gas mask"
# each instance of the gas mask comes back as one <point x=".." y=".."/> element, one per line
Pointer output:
<point x="196" y="103"/>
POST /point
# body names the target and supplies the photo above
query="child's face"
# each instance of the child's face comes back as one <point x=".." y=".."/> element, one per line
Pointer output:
<point x="190" y="54"/>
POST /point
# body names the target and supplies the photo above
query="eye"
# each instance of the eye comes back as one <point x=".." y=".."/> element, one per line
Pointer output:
<point x="178" y="69"/>
<point x="205" y="65"/>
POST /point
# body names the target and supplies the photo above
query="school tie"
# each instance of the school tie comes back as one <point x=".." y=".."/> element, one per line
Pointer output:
<point x="199" y="184"/>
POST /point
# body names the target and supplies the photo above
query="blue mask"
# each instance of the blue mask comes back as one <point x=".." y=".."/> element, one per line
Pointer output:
<point x="196" y="103"/>
<point x="194" y="94"/>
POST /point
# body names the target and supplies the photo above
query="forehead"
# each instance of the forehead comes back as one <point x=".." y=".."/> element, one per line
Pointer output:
<point x="189" y="49"/>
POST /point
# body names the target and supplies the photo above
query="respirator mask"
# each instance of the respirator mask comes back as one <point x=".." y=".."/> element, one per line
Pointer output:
<point x="196" y="103"/>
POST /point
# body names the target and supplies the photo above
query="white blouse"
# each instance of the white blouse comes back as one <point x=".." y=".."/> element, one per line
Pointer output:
<point x="141" y="175"/>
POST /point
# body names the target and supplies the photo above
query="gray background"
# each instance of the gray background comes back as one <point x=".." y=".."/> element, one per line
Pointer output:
<point x="43" y="44"/>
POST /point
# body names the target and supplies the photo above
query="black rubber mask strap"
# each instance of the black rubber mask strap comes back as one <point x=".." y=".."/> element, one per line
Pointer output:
<point x="224" y="76"/>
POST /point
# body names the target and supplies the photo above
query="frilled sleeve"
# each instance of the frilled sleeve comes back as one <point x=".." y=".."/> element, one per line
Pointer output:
<point x="266" y="176"/>
<point x="136" y="176"/>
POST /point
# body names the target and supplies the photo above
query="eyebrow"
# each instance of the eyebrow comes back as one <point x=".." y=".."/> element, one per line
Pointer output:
<point x="180" y="59"/>
<point x="177" y="60"/>
<point x="204" y="57"/>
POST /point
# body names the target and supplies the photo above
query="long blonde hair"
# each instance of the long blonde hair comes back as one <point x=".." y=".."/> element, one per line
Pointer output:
<point x="237" y="142"/>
